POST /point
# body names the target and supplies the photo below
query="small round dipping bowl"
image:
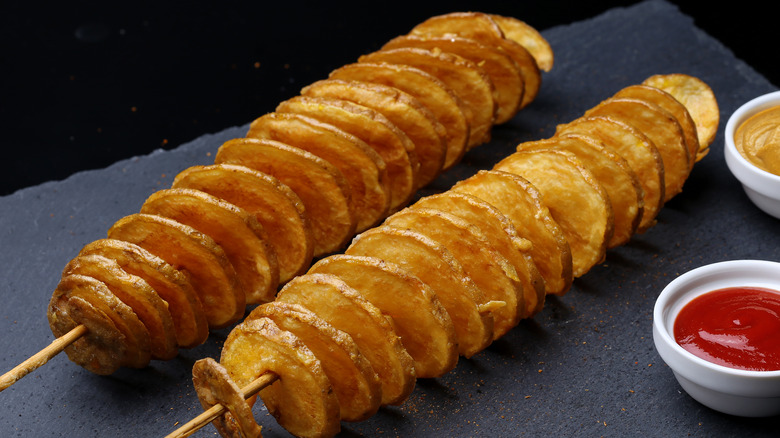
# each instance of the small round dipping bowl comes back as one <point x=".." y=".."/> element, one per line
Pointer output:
<point x="762" y="187"/>
<point x="728" y="390"/>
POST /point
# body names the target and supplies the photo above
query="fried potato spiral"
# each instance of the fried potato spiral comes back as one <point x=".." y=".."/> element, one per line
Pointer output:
<point x="422" y="284"/>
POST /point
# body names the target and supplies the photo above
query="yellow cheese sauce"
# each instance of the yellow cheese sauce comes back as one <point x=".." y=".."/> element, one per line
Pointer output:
<point x="758" y="140"/>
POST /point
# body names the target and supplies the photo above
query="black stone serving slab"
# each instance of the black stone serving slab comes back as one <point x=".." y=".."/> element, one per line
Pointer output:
<point x="585" y="366"/>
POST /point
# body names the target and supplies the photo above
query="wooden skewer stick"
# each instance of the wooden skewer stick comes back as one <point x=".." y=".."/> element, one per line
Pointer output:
<point x="40" y="358"/>
<point x="215" y="411"/>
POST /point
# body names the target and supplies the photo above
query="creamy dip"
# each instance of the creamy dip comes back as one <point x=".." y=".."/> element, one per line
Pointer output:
<point x="758" y="139"/>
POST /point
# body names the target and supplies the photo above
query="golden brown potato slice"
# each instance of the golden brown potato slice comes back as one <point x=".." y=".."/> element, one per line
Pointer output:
<point x="489" y="270"/>
<point x="376" y="130"/>
<point x="483" y="28"/>
<point x="577" y="201"/>
<point x="259" y="346"/>
<point x="275" y="206"/>
<point x="183" y="247"/>
<point x="189" y="319"/>
<point x="432" y="263"/>
<point x="238" y="233"/>
<point x="612" y="171"/>
<point x="116" y="336"/>
<point x="661" y="128"/>
<point x="469" y="82"/>
<point x="102" y="348"/>
<point x="363" y="168"/>
<point x="345" y="309"/>
<point x="503" y="236"/>
<point x="214" y="386"/>
<point x="528" y="37"/>
<point x="639" y="152"/>
<point x="419" y="318"/>
<point x="321" y="187"/>
<point x="351" y="375"/>
<point x="502" y="70"/>
<point x="700" y="101"/>
<point x="403" y="110"/>
<point x="669" y="103"/>
<point x="522" y="203"/>
<point x="447" y="112"/>
<point x="137" y="294"/>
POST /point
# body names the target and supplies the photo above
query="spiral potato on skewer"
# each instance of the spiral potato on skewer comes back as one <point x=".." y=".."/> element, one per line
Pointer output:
<point x="336" y="160"/>
<point x="475" y="260"/>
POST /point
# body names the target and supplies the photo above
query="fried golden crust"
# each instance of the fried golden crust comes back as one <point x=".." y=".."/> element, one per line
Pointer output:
<point x="432" y="263"/>
<point x="237" y="232"/>
<point x="321" y="186"/>
<point x="214" y="386"/>
<point x="463" y="77"/>
<point x="418" y="103"/>
<point x="363" y="168"/>
<point x="568" y="186"/>
<point x="661" y="128"/>
<point x="351" y="375"/>
<point x="259" y="346"/>
<point x="522" y="203"/>
<point x="345" y="309"/>
<point x="116" y="336"/>
<point x="421" y="321"/>
<point x="193" y="252"/>
<point x="189" y="320"/>
<point x="503" y="236"/>
<point x="369" y="125"/>
<point x="136" y="293"/>
<point x="274" y="204"/>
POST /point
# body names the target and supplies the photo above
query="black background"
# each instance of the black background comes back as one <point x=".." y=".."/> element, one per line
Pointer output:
<point x="84" y="84"/>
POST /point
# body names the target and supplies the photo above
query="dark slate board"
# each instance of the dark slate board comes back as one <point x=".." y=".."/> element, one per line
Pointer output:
<point x="585" y="366"/>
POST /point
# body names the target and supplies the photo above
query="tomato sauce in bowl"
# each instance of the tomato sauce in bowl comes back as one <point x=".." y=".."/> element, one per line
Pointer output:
<point x="737" y="327"/>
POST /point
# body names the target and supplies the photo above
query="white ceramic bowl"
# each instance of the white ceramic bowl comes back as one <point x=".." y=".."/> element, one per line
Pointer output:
<point x="728" y="390"/>
<point x="762" y="187"/>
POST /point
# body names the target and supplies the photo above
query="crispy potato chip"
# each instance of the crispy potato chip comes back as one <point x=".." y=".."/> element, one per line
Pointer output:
<point x="419" y="318"/>
<point x="321" y="187"/>
<point x="559" y="176"/>
<point x="470" y="83"/>
<point x="258" y="346"/>
<point x="501" y="234"/>
<point x="502" y="70"/>
<point x="438" y="106"/>
<point x="102" y="348"/>
<point x="137" y="294"/>
<point x="669" y="103"/>
<point x="376" y="130"/>
<point x="661" y="128"/>
<point x="189" y="320"/>
<point x="467" y="24"/>
<point x="522" y="203"/>
<point x="80" y="299"/>
<point x="700" y="101"/>
<point x="238" y="233"/>
<point x="363" y="168"/>
<point x="432" y="263"/>
<point x="639" y="151"/>
<point x="528" y="37"/>
<point x="345" y="309"/>
<point x="275" y="206"/>
<point x="350" y="373"/>
<point x="489" y="270"/>
<point x="210" y="272"/>
<point x="482" y="27"/>
<point x="214" y="386"/>
<point x="611" y="170"/>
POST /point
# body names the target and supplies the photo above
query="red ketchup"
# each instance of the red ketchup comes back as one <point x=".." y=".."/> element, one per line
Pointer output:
<point x="737" y="327"/>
